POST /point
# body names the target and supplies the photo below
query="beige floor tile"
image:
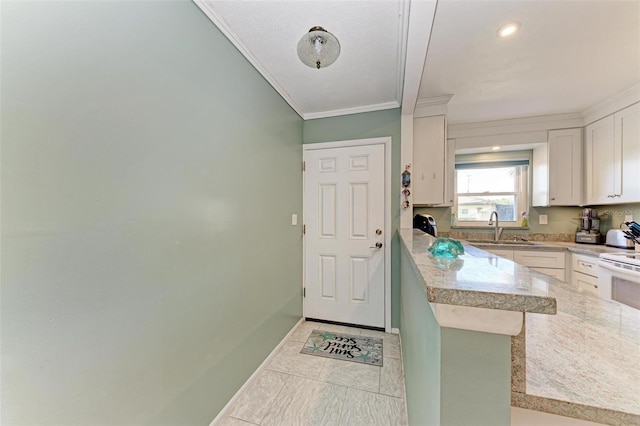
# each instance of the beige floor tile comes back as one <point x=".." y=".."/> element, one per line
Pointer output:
<point x="230" y="421"/>
<point x="254" y="402"/>
<point x="299" y="389"/>
<point x="304" y="330"/>
<point x="289" y="360"/>
<point x="391" y="378"/>
<point x="306" y="402"/>
<point x="351" y="374"/>
<point x="375" y="333"/>
<point x="369" y="409"/>
<point x="391" y="347"/>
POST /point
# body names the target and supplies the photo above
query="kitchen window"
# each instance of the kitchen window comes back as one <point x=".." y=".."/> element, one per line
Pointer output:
<point x="486" y="186"/>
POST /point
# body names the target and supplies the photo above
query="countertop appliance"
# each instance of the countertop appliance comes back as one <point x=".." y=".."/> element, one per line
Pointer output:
<point x="616" y="238"/>
<point x="589" y="232"/>
<point x="619" y="277"/>
<point x="425" y="223"/>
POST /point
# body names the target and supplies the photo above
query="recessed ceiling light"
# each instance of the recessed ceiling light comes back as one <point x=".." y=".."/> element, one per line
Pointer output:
<point x="495" y="148"/>
<point x="508" y="29"/>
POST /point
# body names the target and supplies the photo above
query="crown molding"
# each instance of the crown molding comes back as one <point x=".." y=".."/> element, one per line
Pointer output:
<point x="435" y="100"/>
<point x="516" y="125"/>
<point x="209" y="10"/>
<point x="348" y="111"/>
<point x="436" y="105"/>
<point x="403" y="37"/>
<point x="614" y="103"/>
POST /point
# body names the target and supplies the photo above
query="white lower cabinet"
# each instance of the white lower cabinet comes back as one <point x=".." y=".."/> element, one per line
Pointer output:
<point x="507" y="254"/>
<point x="585" y="282"/>
<point x="540" y="259"/>
<point x="555" y="273"/>
<point x="584" y="272"/>
<point x="548" y="262"/>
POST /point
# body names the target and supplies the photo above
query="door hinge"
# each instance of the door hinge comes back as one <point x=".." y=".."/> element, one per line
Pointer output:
<point x="304" y="229"/>
<point x="304" y="292"/>
<point x="304" y="166"/>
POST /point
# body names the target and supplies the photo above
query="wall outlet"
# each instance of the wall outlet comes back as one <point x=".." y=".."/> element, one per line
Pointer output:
<point x="542" y="219"/>
<point x="294" y="219"/>
<point x="628" y="218"/>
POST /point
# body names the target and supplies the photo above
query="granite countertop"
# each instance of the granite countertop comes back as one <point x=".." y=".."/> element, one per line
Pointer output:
<point x="477" y="278"/>
<point x="587" y="249"/>
<point x="583" y="362"/>
<point x="588" y="354"/>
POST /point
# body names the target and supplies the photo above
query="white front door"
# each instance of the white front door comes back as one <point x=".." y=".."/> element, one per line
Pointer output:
<point x="344" y="205"/>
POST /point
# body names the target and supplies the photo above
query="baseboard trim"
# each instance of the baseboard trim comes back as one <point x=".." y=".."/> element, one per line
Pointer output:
<point x="222" y="414"/>
<point x="406" y="408"/>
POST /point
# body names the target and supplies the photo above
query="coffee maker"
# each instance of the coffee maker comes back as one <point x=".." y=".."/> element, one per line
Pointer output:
<point x="589" y="228"/>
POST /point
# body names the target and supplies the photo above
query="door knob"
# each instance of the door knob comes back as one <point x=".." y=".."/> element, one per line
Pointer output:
<point x="377" y="246"/>
<point x="378" y="231"/>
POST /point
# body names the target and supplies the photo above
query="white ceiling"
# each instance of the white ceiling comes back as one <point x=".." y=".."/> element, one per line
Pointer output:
<point x="568" y="55"/>
<point x="367" y="75"/>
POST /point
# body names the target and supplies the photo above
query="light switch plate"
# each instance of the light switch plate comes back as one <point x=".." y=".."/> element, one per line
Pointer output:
<point x="542" y="219"/>
<point x="294" y="219"/>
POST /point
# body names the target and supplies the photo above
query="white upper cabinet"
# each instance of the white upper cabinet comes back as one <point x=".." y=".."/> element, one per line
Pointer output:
<point x="600" y="161"/>
<point x="565" y="167"/>
<point x="612" y="160"/>
<point x="627" y="137"/>
<point x="557" y="169"/>
<point x="429" y="161"/>
<point x="449" y="172"/>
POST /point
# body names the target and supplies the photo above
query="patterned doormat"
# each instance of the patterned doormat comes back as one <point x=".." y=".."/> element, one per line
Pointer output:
<point x="363" y="349"/>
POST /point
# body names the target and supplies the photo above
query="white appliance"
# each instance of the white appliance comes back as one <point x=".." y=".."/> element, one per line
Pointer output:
<point x="619" y="277"/>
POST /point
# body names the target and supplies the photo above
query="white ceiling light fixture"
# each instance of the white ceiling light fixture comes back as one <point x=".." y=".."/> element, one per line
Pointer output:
<point x="508" y="29"/>
<point x="318" y="48"/>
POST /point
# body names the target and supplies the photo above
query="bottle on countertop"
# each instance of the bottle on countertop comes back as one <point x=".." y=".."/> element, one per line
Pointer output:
<point x="525" y="220"/>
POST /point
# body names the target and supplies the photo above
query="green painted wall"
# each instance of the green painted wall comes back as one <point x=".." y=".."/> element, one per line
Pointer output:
<point x="421" y="350"/>
<point x="149" y="174"/>
<point x="361" y="126"/>
<point x="452" y="377"/>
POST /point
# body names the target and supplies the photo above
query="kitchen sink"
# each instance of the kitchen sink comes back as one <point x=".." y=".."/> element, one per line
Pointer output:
<point x="504" y="242"/>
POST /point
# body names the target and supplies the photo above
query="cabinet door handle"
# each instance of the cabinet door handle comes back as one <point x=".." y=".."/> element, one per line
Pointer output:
<point x="553" y="198"/>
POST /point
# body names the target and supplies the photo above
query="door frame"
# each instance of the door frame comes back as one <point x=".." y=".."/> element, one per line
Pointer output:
<point x="386" y="142"/>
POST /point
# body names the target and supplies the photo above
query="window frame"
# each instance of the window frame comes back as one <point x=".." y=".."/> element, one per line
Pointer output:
<point x="522" y="193"/>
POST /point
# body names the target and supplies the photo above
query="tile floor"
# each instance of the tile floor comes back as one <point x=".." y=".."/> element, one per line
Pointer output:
<point x="299" y="389"/>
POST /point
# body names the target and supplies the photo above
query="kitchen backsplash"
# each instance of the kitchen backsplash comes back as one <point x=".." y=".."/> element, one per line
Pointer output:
<point x="562" y="222"/>
<point x="507" y="235"/>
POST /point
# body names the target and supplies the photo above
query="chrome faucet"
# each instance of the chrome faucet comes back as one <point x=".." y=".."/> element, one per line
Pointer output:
<point x="498" y="230"/>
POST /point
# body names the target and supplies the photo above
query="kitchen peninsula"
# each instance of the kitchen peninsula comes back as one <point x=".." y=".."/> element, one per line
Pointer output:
<point x="574" y="355"/>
